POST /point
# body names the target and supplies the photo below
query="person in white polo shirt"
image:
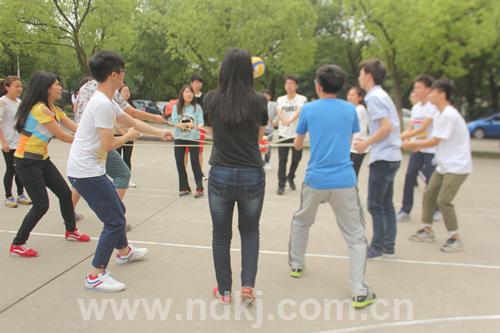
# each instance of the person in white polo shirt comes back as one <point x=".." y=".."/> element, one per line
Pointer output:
<point x="454" y="163"/>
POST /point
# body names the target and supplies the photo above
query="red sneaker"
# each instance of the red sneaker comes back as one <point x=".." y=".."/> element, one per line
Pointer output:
<point x="247" y="295"/>
<point x="76" y="235"/>
<point x="224" y="299"/>
<point x="22" y="251"/>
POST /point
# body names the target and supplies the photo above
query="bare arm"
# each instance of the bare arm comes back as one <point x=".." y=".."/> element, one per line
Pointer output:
<point x="69" y="124"/>
<point x="421" y="144"/>
<point x="411" y="132"/>
<point x="383" y="131"/>
<point x="262" y="129"/>
<point x="3" y="141"/>
<point x="110" y="142"/>
<point x="128" y="121"/>
<point x="141" y="115"/>
<point x="56" y="130"/>
<point x="298" y="143"/>
<point x="281" y="114"/>
<point x="296" y="115"/>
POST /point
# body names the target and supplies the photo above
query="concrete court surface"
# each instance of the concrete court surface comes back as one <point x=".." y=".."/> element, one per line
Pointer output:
<point x="421" y="290"/>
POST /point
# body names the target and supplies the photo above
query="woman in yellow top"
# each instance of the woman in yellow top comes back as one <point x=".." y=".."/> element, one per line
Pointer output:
<point x="38" y="120"/>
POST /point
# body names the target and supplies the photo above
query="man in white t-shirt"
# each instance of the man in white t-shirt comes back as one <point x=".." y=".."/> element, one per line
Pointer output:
<point x="454" y="163"/>
<point x="288" y="112"/>
<point x="420" y="128"/>
<point x="86" y="169"/>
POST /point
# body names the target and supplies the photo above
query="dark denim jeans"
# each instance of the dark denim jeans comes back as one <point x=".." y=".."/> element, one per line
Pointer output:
<point x="102" y="198"/>
<point x="227" y="186"/>
<point x="418" y="161"/>
<point x="380" y="204"/>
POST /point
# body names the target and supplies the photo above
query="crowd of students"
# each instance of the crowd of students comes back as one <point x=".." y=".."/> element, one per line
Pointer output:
<point x="340" y="132"/>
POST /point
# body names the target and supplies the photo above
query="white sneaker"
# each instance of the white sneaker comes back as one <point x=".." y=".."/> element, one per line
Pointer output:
<point x="436" y="217"/>
<point x="452" y="245"/>
<point x="402" y="216"/>
<point x="134" y="254"/>
<point x="132" y="184"/>
<point x="104" y="282"/>
<point x="267" y="167"/>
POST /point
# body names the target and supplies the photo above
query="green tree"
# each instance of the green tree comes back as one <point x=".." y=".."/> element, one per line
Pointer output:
<point x="434" y="37"/>
<point x="83" y="26"/>
<point x="281" y="32"/>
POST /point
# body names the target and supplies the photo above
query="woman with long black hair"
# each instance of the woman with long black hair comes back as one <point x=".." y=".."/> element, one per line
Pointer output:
<point x="38" y="120"/>
<point x="187" y="117"/>
<point x="237" y="115"/>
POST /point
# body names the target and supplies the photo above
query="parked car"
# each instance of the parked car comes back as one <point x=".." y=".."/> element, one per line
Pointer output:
<point x="146" y="105"/>
<point x="161" y="105"/>
<point x="167" y="111"/>
<point x="488" y="127"/>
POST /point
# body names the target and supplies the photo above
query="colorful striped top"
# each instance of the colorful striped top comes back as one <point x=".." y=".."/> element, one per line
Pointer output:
<point x="35" y="137"/>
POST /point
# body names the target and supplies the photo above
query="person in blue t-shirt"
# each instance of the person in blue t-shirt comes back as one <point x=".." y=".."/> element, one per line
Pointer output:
<point x="187" y="117"/>
<point x="330" y="178"/>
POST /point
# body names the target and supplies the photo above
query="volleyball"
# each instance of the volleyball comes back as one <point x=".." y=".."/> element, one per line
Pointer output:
<point x="259" y="68"/>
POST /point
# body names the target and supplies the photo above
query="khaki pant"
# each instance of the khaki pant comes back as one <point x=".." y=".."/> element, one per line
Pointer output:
<point x="440" y="192"/>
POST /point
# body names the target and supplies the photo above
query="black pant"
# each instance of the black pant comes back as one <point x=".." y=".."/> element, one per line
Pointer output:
<point x="283" y="158"/>
<point x="194" y="153"/>
<point x="357" y="160"/>
<point x="418" y="161"/>
<point x="10" y="173"/>
<point x="36" y="175"/>
<point x="126" y="152"/>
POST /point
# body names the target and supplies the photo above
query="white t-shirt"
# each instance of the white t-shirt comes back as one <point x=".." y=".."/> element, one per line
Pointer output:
<point x="419" y="113"/>
<point x="8" y="109"/>
<point x="453" y="153"/>
<point x="86" y="157"/>
<point x="85" y="94"/>
<point x="289" y="106"/>
<point x="363" y="127"/>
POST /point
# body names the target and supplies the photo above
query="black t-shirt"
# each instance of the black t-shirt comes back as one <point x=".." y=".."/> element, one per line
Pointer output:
<point x="237" y="147"/>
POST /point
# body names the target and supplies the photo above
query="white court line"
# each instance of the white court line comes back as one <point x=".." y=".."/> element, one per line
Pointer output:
<point x="413" y="323"/>
<point x="311" y="255"/>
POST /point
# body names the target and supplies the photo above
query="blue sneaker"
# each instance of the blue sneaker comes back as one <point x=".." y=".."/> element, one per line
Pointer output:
<point x="373" y="254"/>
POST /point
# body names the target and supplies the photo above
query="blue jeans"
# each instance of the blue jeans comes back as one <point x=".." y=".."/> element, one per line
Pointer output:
<point x="102" y="198"/>
<point x="418" y="161"/>
<point x="380" y="205"/>
<point x="227" y="186"/>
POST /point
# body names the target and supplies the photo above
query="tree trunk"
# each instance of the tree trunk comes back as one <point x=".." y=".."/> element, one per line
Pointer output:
<point x="494" y="90"/>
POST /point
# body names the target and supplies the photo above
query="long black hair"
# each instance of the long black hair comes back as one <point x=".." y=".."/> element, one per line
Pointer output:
<point x="235" y="102"/>
<point x="181" y="101"/>
<point x="38" y="91"/>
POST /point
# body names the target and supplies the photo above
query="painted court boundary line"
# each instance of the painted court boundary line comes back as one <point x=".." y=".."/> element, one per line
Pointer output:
<point x="413" y="323"/>
<point x="311" y="255"/>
